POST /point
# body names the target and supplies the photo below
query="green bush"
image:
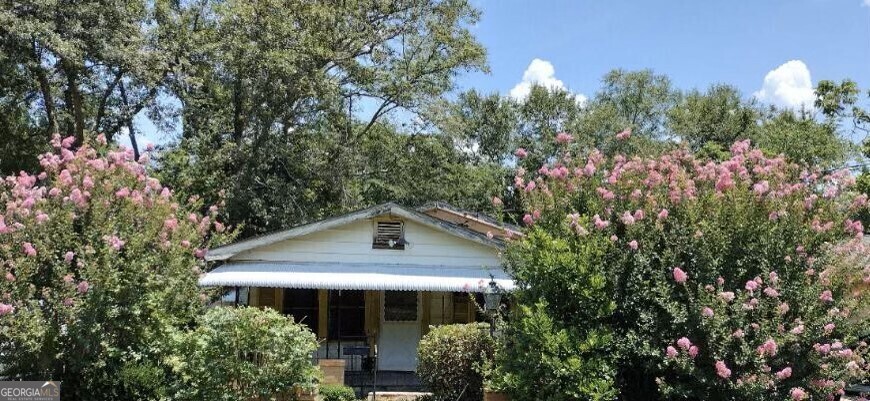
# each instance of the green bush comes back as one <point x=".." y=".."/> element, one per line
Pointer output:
<point x="451" y="361"/>
<point x="336" y="392"/>
<point x="236" y="354"/>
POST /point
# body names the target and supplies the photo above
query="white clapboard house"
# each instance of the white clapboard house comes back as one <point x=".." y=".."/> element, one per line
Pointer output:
<point x="377" y="277"/>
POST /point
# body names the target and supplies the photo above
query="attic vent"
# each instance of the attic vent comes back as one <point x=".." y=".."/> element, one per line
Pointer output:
<point x="389" y="235"/>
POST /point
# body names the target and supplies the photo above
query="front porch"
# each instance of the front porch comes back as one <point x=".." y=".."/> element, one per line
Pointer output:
<point x="356" y="325"/>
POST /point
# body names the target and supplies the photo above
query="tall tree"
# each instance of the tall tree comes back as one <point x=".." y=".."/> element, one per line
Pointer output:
<point x="483" y="125"/>
<point x="636" y="99"/>
<point x="80" y="67"/>
<point x="277" y="96"/>
<point x="717" y="117"/>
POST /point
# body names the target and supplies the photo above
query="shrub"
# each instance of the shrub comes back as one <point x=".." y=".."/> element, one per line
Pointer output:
<point x="336" y="392"/>
<point x="236" y="354"/>
<point x="98" y="264"/>
<point x="713" y="280"/>
<point x="451" y="359"/>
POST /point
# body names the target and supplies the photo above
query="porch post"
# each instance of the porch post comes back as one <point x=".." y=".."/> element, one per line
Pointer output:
<point x="426" y="301"/>
<point x="322" y="313"/>
<point x="373" y="316"/>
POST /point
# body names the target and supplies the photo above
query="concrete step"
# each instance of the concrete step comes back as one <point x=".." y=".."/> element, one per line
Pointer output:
<point x="396" y="396"/>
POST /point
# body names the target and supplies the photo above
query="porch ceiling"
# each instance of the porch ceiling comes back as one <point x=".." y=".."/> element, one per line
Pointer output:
<point x="354" y="276"/>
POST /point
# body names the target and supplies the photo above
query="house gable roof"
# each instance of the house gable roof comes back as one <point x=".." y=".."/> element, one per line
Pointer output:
<point x="392" y="209"/>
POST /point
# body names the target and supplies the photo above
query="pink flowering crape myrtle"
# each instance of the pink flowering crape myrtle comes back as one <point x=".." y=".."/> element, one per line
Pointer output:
<point x="96" y="271"/>
<point x="743" y="278"/>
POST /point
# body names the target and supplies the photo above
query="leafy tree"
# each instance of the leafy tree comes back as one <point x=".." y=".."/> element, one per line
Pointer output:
<point x="81" y="67"/>
<point x="416" y="169"/>
<point x="738" y="279"/>
<point x="557" y="347"/>
<point x="840" y="101"/>
<point x="802" y="139"/>
<point x="718" y="117"/>
<point x="313" y="79"/>
<point x="543" y="115"/>
<point x="101" y="265"/>
<point x="485" y="126"/>
<point x="636" y="99"/>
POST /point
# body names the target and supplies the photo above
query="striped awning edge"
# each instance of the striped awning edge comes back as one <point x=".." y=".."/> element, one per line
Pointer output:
<point x="343" y="276"/>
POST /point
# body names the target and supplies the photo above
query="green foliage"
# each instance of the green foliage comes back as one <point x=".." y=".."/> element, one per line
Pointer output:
<point x="82" y="67"/>
<point x="272" y="116"/>
<point x="236" y="354"/>
<point x="557" y="342"/>
<point x="718" y="117"/>
<point x="841" y="101"/>
<point x="803" y="140"/>
<point x="336" y="392"/>
<point x="485" y="122"/>
<point x="101" y="264"/>
<point x="451" y="359"/>
<point x="771" y="257"/>
<point x="550" y="360"/>
<point x="637" y="99"/>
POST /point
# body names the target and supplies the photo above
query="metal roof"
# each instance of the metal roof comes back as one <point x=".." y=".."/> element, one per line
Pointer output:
<point x="482" y="217"/>
<point x="353" y="276"/>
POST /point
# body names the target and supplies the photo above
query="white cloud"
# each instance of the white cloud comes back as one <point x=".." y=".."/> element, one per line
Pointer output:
<point x="789" y="86"/>
<point x="542" y="72"/>
<point x="866" y="3"/>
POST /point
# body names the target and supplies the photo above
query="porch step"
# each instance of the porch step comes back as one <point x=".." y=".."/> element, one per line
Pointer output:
<point x="396" y="396"/>
<point x="390" y="381"/>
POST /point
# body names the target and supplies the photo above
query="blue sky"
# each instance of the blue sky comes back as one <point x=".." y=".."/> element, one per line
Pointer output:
<point x="696" y="43"/>
<point x="776" y="50"/>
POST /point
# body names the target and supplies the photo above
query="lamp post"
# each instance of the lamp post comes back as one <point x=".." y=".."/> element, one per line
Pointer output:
<point x="491" y="302"/>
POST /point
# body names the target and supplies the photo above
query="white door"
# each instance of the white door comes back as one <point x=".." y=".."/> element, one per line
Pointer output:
<point x="400" y="330"/>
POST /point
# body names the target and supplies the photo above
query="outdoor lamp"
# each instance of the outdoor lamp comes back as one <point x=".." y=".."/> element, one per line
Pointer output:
<point x="491" y="297"/>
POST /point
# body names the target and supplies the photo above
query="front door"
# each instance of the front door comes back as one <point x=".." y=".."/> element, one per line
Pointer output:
<point x="400" y="330"/>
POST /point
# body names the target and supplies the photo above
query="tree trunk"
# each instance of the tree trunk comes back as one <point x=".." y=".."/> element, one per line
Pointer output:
<point x="45" y="89"/>
<point x="128" y="119"/>
<point x="73" y="97"/>
<point x="238" y="113"/>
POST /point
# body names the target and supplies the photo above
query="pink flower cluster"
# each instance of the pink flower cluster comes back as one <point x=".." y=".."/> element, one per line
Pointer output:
<point x="75" y="183"/>
<point x="722" y="370"/>
<point x="685" y="345"/>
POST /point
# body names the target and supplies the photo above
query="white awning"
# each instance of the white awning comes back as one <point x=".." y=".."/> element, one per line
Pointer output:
<point x="346" y="276"/>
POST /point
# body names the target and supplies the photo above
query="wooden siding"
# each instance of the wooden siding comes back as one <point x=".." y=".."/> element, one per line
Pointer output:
<point x="353" y="243"/>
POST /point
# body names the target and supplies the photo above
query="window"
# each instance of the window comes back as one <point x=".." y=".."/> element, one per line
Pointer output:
<point x="235" y="295"/>
<point x="389" y="235"/>
<point x="347" y="315"/>
<point x="400" y="306"/>
<point x="302" y="305"/>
